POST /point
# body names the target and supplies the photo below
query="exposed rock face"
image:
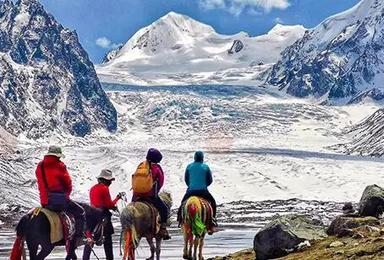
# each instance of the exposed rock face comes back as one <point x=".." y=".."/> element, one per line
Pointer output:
<point x="47" y="80"/>
<point x="372" y="201"/>
<point x="368" y="136"/>
<point x="111" y="54"/>
<point x="284" y="234"/>
<point x="237" y="46"/>
<point x="342" y="57"/>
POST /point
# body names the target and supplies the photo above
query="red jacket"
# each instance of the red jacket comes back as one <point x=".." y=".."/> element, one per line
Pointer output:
<point x="57" y="176"/>
<point x="158" y="177"/>
<point x="101" y="198"/>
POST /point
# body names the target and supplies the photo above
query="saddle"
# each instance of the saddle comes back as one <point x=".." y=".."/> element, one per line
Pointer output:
<point x="62" y="225"/>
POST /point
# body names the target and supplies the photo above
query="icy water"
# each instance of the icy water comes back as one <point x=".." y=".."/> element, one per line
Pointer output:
<point x="222" y="243"/>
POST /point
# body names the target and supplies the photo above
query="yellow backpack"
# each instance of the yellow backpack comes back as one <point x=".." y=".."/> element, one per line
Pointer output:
<point x="142" y="180"/>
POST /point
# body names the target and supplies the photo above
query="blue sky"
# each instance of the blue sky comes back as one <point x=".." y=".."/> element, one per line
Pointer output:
<point x="102" y="24"/>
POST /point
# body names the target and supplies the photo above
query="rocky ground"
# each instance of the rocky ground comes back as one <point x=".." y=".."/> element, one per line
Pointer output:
<point x="368" y="246"/>
<point x="351" y="235"/>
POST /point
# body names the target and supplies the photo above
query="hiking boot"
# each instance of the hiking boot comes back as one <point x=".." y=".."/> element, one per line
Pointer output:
<point x="211" y="230"/>
<point x="213" y="227"/>
<point x="163" y="233"/>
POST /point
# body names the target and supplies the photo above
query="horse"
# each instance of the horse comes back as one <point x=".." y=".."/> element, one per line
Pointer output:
<point x="36" y="232"/>
<point x="141" y="220"/>
<point x="196" y="216"/>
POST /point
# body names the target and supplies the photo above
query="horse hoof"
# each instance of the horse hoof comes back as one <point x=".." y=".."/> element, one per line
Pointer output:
<point x="186" y="257"/>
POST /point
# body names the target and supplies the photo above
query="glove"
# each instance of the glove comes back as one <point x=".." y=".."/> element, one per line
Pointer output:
<point x="90" y="241"/>
<point x="121" y="194"/>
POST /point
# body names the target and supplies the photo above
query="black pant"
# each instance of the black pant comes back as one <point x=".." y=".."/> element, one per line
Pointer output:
<point x="107" y="233"/>
<point x="78" y="213"/>
<point x="108" y="249"/>
<point x="199" y="193"/>
<point x="158" y="204"/>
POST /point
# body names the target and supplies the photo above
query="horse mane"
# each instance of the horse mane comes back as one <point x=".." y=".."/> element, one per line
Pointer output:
<point x="93" y="215"/>
<point x="135" y="209"/>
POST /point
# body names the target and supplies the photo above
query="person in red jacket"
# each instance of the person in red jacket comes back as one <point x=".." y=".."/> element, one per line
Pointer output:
<point x="101" y="198"/>
<point x="55" y="187"/>
<point x="154" y="157"/>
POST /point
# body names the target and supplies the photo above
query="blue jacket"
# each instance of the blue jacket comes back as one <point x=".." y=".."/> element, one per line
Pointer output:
<point x="198" y="176"/>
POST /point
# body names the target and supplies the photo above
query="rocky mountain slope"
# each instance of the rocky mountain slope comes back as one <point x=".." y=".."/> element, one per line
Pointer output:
<point x="177" y="49"/>
<point x="367" y="136"/>
<point x="46" y="78"/>
<point x="341" y="59"/>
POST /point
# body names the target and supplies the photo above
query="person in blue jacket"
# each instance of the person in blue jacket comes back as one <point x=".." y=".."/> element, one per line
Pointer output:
<point x="198" y="177"/>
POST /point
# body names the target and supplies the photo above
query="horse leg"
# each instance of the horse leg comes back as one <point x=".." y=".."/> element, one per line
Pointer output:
<point x="46" y="249"/>
<point x="190" y="247"/>
<point x="158" y="248"/>
<point x="152" y="247"/>
<point x="185" y="251"/>
<point x="72" y="250"/>
<point x="32" y="248"/>
<point x="195" y="245"/>
<point x="44" y="252"/>
<point x="201" y="245"/>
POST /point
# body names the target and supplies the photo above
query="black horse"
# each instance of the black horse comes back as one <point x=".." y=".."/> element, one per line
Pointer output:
<point x="36" y="232"/>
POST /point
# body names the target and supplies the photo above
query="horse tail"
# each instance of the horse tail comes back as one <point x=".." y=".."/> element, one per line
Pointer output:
<point x="129" y="236"/>
<point x="18" y="245"/>
<point x="194" y="209"/>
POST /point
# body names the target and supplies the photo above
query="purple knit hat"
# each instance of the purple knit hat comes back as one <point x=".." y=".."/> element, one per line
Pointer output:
<point x="154" y="155"/>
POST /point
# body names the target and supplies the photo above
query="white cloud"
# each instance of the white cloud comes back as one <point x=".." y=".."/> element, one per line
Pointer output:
<point x="106" y="43"/>
<point x="278" y="20"/>
<point x="236" y="7"/>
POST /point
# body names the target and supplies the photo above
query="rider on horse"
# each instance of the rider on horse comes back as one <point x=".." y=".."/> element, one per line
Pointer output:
<point x="153" y="158"/>
<point x="101" y="199"/>
<point x="198" y="177"/>
<point x="55" y="187"/>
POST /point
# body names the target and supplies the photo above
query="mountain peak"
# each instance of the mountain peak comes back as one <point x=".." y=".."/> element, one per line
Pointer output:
<point x="182" y="23"/>
<point x="174" y="15"/>
<point x="65" y="91"/>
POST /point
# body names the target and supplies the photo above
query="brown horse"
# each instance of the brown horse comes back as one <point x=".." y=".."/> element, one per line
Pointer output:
<point x="196" y="216"/>
<point x="138" y="220"/>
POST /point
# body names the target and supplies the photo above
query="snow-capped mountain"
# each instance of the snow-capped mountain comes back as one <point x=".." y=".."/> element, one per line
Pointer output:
<point x="46" y="78"/>
<point x="343" y="57"/>
<point x="177" y="49"/>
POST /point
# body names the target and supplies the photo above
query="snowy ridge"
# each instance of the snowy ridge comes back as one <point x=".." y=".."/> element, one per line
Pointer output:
<point x="340" y="59"/>
<point x="47" y="80"/>
<point x="179" y="50"/>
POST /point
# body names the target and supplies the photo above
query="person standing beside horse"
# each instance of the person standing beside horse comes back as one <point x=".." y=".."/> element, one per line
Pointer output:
<point x="150" y="176"/>
<point x="101" y="198"/>
<point x="198" y="177"/>
<point x="55" y="187"/>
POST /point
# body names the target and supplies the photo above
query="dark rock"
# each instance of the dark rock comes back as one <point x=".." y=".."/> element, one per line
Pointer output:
<point x="372" y="201"/>
<point x="284" y="234"/>
<point x="237" y="46"/>
<point x="343" y="226"/>
<point x="348" y="208"/>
